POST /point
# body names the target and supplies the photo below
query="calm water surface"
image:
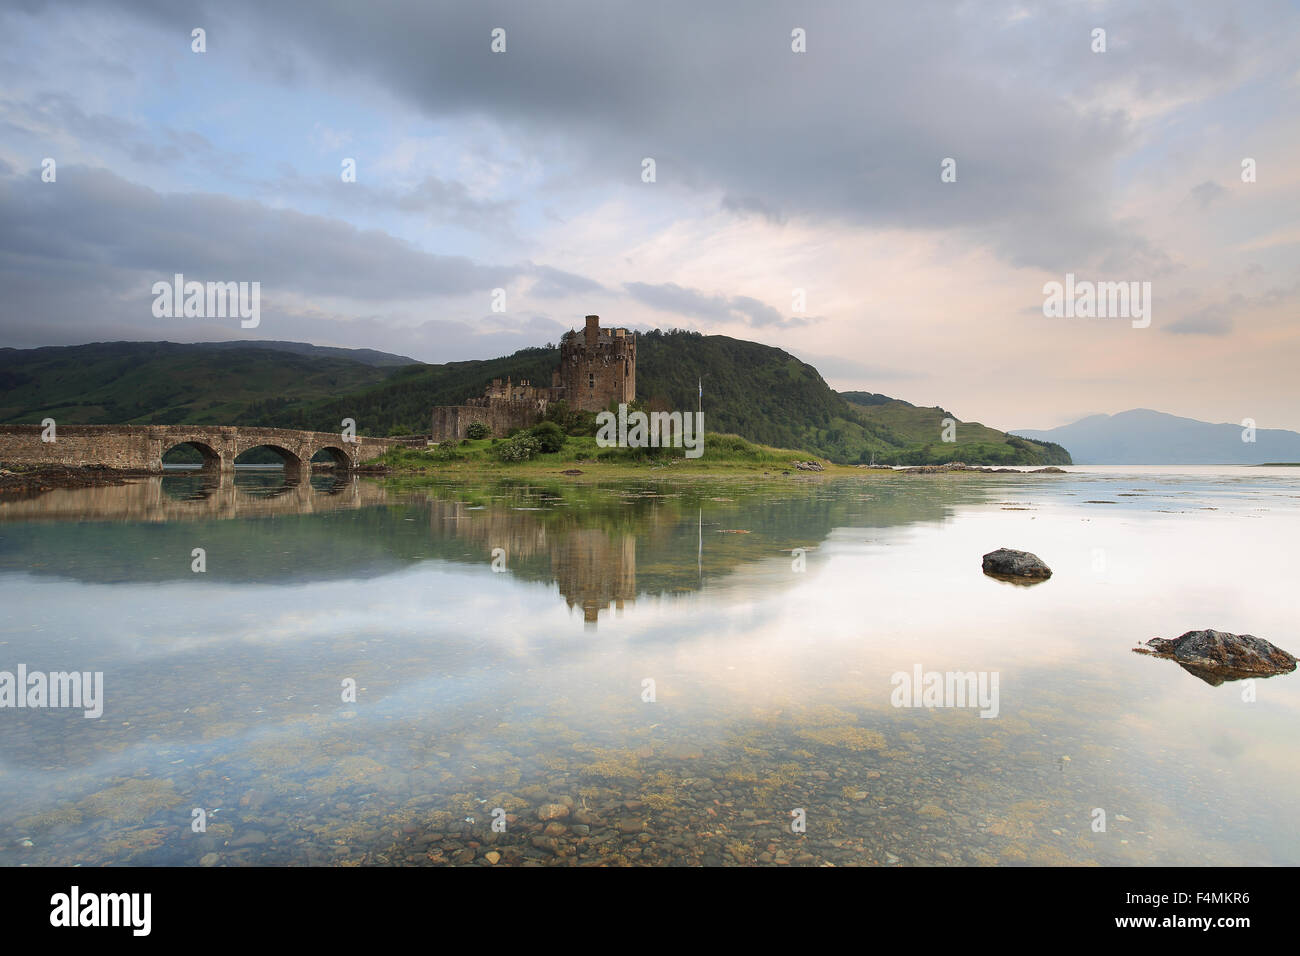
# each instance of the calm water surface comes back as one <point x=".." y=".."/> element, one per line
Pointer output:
<point x="657" y="658"/>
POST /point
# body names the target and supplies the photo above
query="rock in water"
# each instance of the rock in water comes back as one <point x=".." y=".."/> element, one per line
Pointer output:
<point x="552" y="811"/>
<point x="1004" y="562"/>
<point x="1216" y="656"/>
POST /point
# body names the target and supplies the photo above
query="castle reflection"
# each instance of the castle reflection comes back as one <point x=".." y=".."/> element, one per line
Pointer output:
<point x="594" y="568"/>
<point x="602" y="547"/>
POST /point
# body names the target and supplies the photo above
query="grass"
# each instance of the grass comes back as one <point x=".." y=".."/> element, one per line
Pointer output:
<point x="721" y="454"/>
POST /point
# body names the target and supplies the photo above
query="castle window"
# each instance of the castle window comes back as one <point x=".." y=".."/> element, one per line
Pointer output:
<point x="591" y="380"/>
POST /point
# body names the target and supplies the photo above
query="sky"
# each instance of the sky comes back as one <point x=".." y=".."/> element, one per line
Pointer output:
<point x="798" y="197"/>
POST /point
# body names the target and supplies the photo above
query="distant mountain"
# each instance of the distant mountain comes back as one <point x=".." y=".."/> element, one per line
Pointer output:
<point x="1141" y="436"/>
<point x="919" y="431"/>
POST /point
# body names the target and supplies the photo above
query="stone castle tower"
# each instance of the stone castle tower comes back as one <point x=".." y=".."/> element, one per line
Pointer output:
<point x="597" y="367"/>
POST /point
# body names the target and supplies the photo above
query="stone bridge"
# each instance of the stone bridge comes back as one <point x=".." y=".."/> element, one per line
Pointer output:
<point x="141" y="447"/>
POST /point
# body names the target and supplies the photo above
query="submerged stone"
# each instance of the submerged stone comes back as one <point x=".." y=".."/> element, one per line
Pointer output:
<point x="552" y="811"/>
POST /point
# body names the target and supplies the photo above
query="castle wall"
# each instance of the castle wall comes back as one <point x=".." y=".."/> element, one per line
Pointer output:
<point x="453" y="421"/>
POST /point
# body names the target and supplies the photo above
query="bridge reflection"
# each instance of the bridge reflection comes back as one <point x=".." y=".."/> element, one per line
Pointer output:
<point x="200" y="494"/>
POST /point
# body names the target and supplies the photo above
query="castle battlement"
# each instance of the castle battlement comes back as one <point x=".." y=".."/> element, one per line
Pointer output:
<point x="597" y="369"/>
<point x="597" y="366"/>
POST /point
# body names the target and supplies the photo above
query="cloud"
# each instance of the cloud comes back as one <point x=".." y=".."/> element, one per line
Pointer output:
<point x="1211" y="320"/>
<point x="556" y="283"/>
<point x="1205" y="193"/>
<point x="438" y="200"/>
<point x="752" y="206"/>
<point x="842" y="369"/>
<point x="81" y="255"/>
<point x="92" y="215"/>
<point x="670" y="297"/>
<point x="55" y="117"/>
<point x="853" y="130"/>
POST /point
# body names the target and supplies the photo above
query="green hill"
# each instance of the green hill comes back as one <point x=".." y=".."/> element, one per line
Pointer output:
<point x="163" y="383"/>
<point x="756" y="391"/>
<point x="759" y="392"/>
<point x="920" y="429"/>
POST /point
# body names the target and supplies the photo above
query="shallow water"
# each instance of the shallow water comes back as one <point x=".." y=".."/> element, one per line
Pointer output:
<point x="656" y="659"/>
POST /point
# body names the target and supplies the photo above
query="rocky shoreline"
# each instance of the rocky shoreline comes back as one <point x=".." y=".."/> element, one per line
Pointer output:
<point x="28" y="482"/>
<point x="962" y="466"/>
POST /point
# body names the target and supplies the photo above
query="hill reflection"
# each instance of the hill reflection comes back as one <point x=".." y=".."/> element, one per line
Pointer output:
<point x="602" y="546"/>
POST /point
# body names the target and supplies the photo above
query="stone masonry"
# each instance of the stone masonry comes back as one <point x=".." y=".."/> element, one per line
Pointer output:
<point x="597" y="369"/>
<point x="141" y="447"/>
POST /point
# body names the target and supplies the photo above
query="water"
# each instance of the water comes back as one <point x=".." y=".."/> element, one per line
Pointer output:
<point x="648" y="656"/>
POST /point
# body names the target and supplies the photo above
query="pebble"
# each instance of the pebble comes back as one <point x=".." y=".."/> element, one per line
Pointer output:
<point x="546" y="843"/>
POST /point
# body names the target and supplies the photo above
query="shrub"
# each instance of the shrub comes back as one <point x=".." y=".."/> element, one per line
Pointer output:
<point x="477" y="430"/>
<point x="519" y="448"/>
<point x="581" y="423"/>
<point x="445" y="450"/>
<point x="549" y="435"/>
<point x="558" y="412"/>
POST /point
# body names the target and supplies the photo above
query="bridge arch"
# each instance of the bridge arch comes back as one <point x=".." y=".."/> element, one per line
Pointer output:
<point x="211" y="457"/>
<point x="333" y="455"/>
<point x="292" y="459"/>
<point x="142" y="447"/>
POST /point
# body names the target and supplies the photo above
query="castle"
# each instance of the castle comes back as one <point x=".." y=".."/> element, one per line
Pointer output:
<point x="597" y="368"/>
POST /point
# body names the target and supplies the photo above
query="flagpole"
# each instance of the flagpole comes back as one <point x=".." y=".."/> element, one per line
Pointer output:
<point x="699" y="554"/>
